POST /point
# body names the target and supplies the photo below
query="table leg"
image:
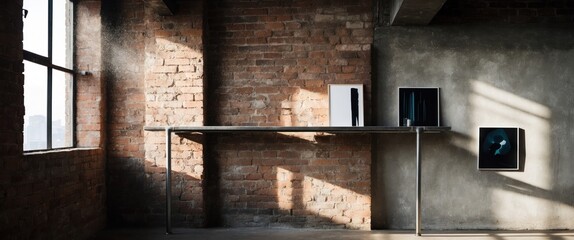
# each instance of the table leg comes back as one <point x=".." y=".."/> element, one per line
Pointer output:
<point x="168" y="181"/>
<point x="418" y="200"/>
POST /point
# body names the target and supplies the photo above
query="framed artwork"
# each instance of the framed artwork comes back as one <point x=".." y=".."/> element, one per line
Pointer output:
<point x="498" y="148"/>
<point x="419" y="106"/>
<point x="346" y="105"/>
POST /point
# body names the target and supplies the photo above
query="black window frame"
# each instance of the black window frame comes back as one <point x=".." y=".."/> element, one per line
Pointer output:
<point x="46" y="61"/>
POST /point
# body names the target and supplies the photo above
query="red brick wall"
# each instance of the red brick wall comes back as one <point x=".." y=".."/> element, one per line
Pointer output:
<point x="90" y="89"/>
<point x="11" y="81"/>
<point x="294" y="181"/>
<point x="123" y="55"/>
<point x="270" y="63"/>
<point x="153" y="66"/>
<point x="44" y="195"/>
<point x="274" y="59"/>
<point x="57" y="195"/>
<point x="123" y="37"/>
<point x="174" y="80"/>
<point x="506" y="11"/>
<point x="11" y="110"/>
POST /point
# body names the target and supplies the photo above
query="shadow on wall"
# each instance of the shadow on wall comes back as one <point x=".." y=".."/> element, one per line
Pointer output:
<point x="278" y="180"/>
<point x="488" y="77"/>
<point x="154" y="75"/>
<point x="125" y="108"/>
<point x="144" y="201"/>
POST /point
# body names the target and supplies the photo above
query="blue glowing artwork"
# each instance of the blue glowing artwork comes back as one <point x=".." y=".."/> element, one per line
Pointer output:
<point x="498" y="148"/>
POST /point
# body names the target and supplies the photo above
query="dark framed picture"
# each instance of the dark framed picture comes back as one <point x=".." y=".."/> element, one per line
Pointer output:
<point x="498" y="148"/>
<point x="419" y="106"/>
<point x="346" y="105"/>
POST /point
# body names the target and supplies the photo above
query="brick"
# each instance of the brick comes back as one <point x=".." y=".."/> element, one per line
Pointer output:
<point x="354" y="25"/>
<point x="177" y="61"/>
<point x="274" y="26"/>
<point x="164" y="69"/>
<point x="324" y="18"/>
<point x="254" y="11"/>
<point x="349" y="47"/>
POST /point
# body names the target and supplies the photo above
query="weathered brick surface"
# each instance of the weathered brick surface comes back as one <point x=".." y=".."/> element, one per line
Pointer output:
<point x="56" y="195"/>
<point x="174" y="81"/>
<point x="506" y="11"/>
<point x="11" y="110"/>
<point x="123" y="33"/>
<point x="123" y="55"/>
<point x="270" y="63"/>
<point x="90" y="89"/>
<point x="153" y="66"/>
<point x="306" y="180"/>
<point x="274" y="59"/>
<point x="11" y="79"/>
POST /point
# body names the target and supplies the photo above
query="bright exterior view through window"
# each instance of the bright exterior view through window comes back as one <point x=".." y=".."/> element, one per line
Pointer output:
<point x="48" y="74"/>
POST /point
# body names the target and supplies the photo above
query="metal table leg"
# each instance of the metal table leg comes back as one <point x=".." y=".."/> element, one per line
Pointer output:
<point x="418" y="200"/>
<point x="168" y="180"/>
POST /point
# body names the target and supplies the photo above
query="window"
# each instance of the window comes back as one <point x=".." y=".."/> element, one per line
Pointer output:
<point x="48" y="74"/>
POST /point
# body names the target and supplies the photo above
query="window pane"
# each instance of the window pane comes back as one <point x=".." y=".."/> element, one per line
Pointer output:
<point x="62" y="33"/>
<point x="61" y="109"/>
<point x="35" y="95"/>
<point x="36" y="27"/>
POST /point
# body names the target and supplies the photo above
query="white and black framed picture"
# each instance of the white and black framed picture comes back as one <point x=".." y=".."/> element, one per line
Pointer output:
<point x="419" y="106"/>
<point x="498" y="148"/>
<point x="346" y="105"/>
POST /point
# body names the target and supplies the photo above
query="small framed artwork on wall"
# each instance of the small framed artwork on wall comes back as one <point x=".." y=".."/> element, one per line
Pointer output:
<point x="498" y="148"/>
<point x="419" y="106"/>
<point x="346" y="105"/>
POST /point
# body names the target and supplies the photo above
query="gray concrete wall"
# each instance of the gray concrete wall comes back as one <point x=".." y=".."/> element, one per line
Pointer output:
<point x="489" y="76"/>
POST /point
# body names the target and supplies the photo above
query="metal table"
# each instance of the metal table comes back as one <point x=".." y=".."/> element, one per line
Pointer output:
<point x="335" y="130"/>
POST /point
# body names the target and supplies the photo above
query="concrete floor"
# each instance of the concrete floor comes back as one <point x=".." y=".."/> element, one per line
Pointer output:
<point x="300" y="234"/>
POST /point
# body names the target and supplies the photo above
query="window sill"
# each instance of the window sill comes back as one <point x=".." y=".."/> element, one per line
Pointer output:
<point x="61" y="151"/>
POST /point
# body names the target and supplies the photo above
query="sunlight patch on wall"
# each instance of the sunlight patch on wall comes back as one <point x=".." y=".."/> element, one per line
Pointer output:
<point x="305" y="108"/>
<point x="536" y="210"/>
<point x="174" y="82"/>
<point x="495" y="107"/>
<point x="492" y="106"/>
<point x="341" y="205"/>
<point x="323" y="199"/>
<point x="284" y="189"/>
<point x="511" y="100"/>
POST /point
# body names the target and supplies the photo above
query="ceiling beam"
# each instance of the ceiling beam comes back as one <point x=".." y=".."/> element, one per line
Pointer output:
<point x="162" y="7"/>
<point x="414" y="12"/>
